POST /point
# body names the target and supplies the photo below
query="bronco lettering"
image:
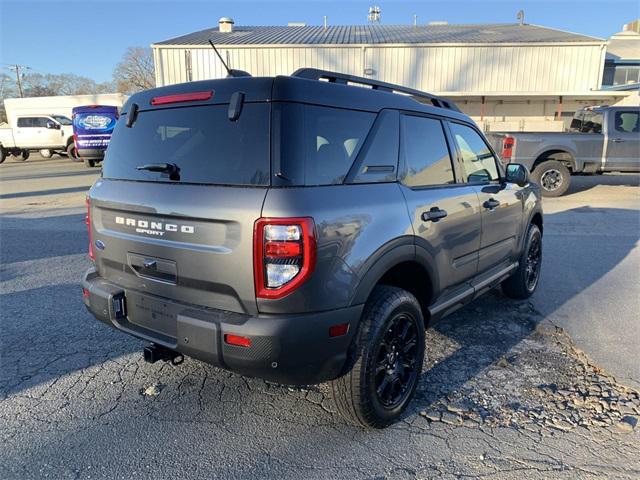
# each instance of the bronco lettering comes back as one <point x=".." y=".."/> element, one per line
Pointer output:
<point x="153" y="227"/>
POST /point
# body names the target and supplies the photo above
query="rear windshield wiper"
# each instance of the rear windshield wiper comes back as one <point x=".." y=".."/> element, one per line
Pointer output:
<point x="171" y="168"/>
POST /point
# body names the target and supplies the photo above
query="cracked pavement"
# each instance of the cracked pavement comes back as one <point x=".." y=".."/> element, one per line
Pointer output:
<point x="505" y="393"/>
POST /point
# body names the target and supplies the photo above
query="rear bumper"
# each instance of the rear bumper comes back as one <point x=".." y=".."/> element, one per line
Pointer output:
<point x="290" y="349"/>
<point x="91" y="153"/>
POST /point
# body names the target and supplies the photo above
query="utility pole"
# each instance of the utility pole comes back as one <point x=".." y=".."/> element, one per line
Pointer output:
<point x="16" y="68"/>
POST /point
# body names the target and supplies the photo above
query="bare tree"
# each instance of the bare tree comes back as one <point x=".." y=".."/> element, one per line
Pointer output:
<point x="135" y="71"/>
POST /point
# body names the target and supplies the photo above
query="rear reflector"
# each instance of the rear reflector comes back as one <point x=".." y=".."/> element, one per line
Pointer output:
<point x="237" y="340"/>
<point x="182" y="97"/>
<point x="282" y="249"/>
<point x="338" y="330"/>
<point x="85" y="293"/>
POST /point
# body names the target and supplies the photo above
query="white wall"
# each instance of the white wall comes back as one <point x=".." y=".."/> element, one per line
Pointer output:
<point x="558" y="68"/>
<point x="60" y="105"/>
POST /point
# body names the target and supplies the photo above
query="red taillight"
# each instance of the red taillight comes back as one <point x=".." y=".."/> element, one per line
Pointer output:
<point x="85" y="293"/>
<point x="507" y="147"/>
<point x="87" y="220"/>
<point x="237" y="340"/>
<point x="284" y="255"/>
<point x="182" y="97"/>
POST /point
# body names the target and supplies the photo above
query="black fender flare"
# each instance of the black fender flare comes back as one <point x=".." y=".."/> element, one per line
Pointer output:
<point x="387" y="257"/>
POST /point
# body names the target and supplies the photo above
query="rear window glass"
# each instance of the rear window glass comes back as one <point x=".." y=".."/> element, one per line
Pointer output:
<point x="317" y="145"/>
<point x="201" y="141"/>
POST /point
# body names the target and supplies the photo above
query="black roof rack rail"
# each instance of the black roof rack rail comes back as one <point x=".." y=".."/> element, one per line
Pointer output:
<point x="345" y="79"/>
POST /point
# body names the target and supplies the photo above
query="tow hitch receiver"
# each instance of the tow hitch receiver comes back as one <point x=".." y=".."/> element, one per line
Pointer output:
<point x="154" y="352"/>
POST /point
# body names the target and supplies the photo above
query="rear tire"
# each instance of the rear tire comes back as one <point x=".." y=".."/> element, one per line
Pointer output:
<point x="553" y="177"/>
<point x="46" y="153"/>
<point x="72" y="153"/>
<point x="389" y="353"/>
<point x="524" y="281"/>
<point x="3" y="154"/>
<point x="24" y="155"/>
<point x="89" y="163"/>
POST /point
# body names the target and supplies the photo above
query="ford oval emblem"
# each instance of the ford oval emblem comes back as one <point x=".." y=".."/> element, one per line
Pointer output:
<point x="99" y="244"/>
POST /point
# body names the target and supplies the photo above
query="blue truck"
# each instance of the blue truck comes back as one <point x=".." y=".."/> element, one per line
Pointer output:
<point x="92" y="128"/>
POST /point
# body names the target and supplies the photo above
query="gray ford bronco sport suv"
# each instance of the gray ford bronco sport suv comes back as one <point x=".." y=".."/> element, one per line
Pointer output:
<point x="304" y="229"/>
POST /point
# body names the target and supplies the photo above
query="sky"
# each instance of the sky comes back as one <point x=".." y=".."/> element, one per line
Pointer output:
<point x="88" y="37"/>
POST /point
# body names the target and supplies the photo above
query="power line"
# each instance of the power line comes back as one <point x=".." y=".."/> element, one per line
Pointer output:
<point x="16" y="68"/>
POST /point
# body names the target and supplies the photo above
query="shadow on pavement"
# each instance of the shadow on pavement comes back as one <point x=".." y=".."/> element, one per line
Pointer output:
<point x="582" y="183"/>
<point x="38" y="193"/>
<point x="26" y="238"/>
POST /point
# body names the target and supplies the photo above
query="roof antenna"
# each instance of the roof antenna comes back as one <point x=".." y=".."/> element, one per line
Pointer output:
<point x="230" y="71"/>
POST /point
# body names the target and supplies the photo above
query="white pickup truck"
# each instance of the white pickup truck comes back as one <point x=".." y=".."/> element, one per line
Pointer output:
<point x="47" y="133"/>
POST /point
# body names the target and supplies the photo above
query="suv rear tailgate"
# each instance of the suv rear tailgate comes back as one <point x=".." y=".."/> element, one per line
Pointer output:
<point x="189" y="243"/>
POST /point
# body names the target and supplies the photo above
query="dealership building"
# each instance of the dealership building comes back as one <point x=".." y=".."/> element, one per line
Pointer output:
<point x="516" y="77"/>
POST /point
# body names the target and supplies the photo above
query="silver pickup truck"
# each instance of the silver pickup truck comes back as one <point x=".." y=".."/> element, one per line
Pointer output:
<point x="600" y="139"/>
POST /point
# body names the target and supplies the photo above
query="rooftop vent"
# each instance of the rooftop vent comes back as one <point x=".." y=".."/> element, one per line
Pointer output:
<point x="296" y="24"/>
<point x="225" y="25"/>
<point x="439" y="22"/>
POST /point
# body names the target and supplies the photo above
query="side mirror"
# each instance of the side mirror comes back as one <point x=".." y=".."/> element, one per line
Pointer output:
<point x="53" y="125"/>
<point x="517" y="174"/>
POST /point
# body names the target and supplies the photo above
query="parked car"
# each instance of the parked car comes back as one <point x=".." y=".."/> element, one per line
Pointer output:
<point x="50" y="133"/>
<point x="601" y="139"/>
<point x="92" y="128"/>
<point x="304" y="231"/>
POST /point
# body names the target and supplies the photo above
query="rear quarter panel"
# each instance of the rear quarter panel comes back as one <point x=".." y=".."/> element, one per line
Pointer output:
<point x="354" y="225"/>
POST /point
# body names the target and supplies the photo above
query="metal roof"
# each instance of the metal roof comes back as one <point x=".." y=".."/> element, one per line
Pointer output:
<point x="379" y="34"/>
<point x="624" y="46"/>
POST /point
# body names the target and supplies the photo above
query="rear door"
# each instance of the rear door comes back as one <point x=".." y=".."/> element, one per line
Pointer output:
<point x="499" y="202"/>
<point x="445" y="214"/>
<point x="623" y="140"/>
<point x="185" y="237"/>
<point x="32" y="132"/>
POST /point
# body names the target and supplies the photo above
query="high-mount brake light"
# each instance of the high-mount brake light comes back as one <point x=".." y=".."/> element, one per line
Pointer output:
<point x="182" y="97"/>
<point x="284" y="255"/>
<point x="507" y="148"/>
<point x="87" y="220"/>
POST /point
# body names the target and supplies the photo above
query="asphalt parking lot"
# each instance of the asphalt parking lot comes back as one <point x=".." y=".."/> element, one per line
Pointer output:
<point x="546" y="388"/>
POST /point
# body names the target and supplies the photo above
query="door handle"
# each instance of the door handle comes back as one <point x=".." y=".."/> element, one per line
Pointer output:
<point x="617" y="140"/>
<point x="433" y="215"/>
<point x="491" y="203"/>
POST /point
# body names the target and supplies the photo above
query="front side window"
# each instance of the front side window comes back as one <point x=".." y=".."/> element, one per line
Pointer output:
<point x="424" y="151"/>
<point x="478" y="162"/>
<point x="40" y="122"/>
<point x="62" y="120"/>
<point x="627" y="122"/>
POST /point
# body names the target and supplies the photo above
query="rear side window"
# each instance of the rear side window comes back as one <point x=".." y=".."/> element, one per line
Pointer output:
<point x="25" y="122"/>
<point x="317" y="145"/>
<point x="477" y="160"/>
<point x="627" y="122"/>
<point x="201" y="141"/>
<point x="424" y="151"/>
